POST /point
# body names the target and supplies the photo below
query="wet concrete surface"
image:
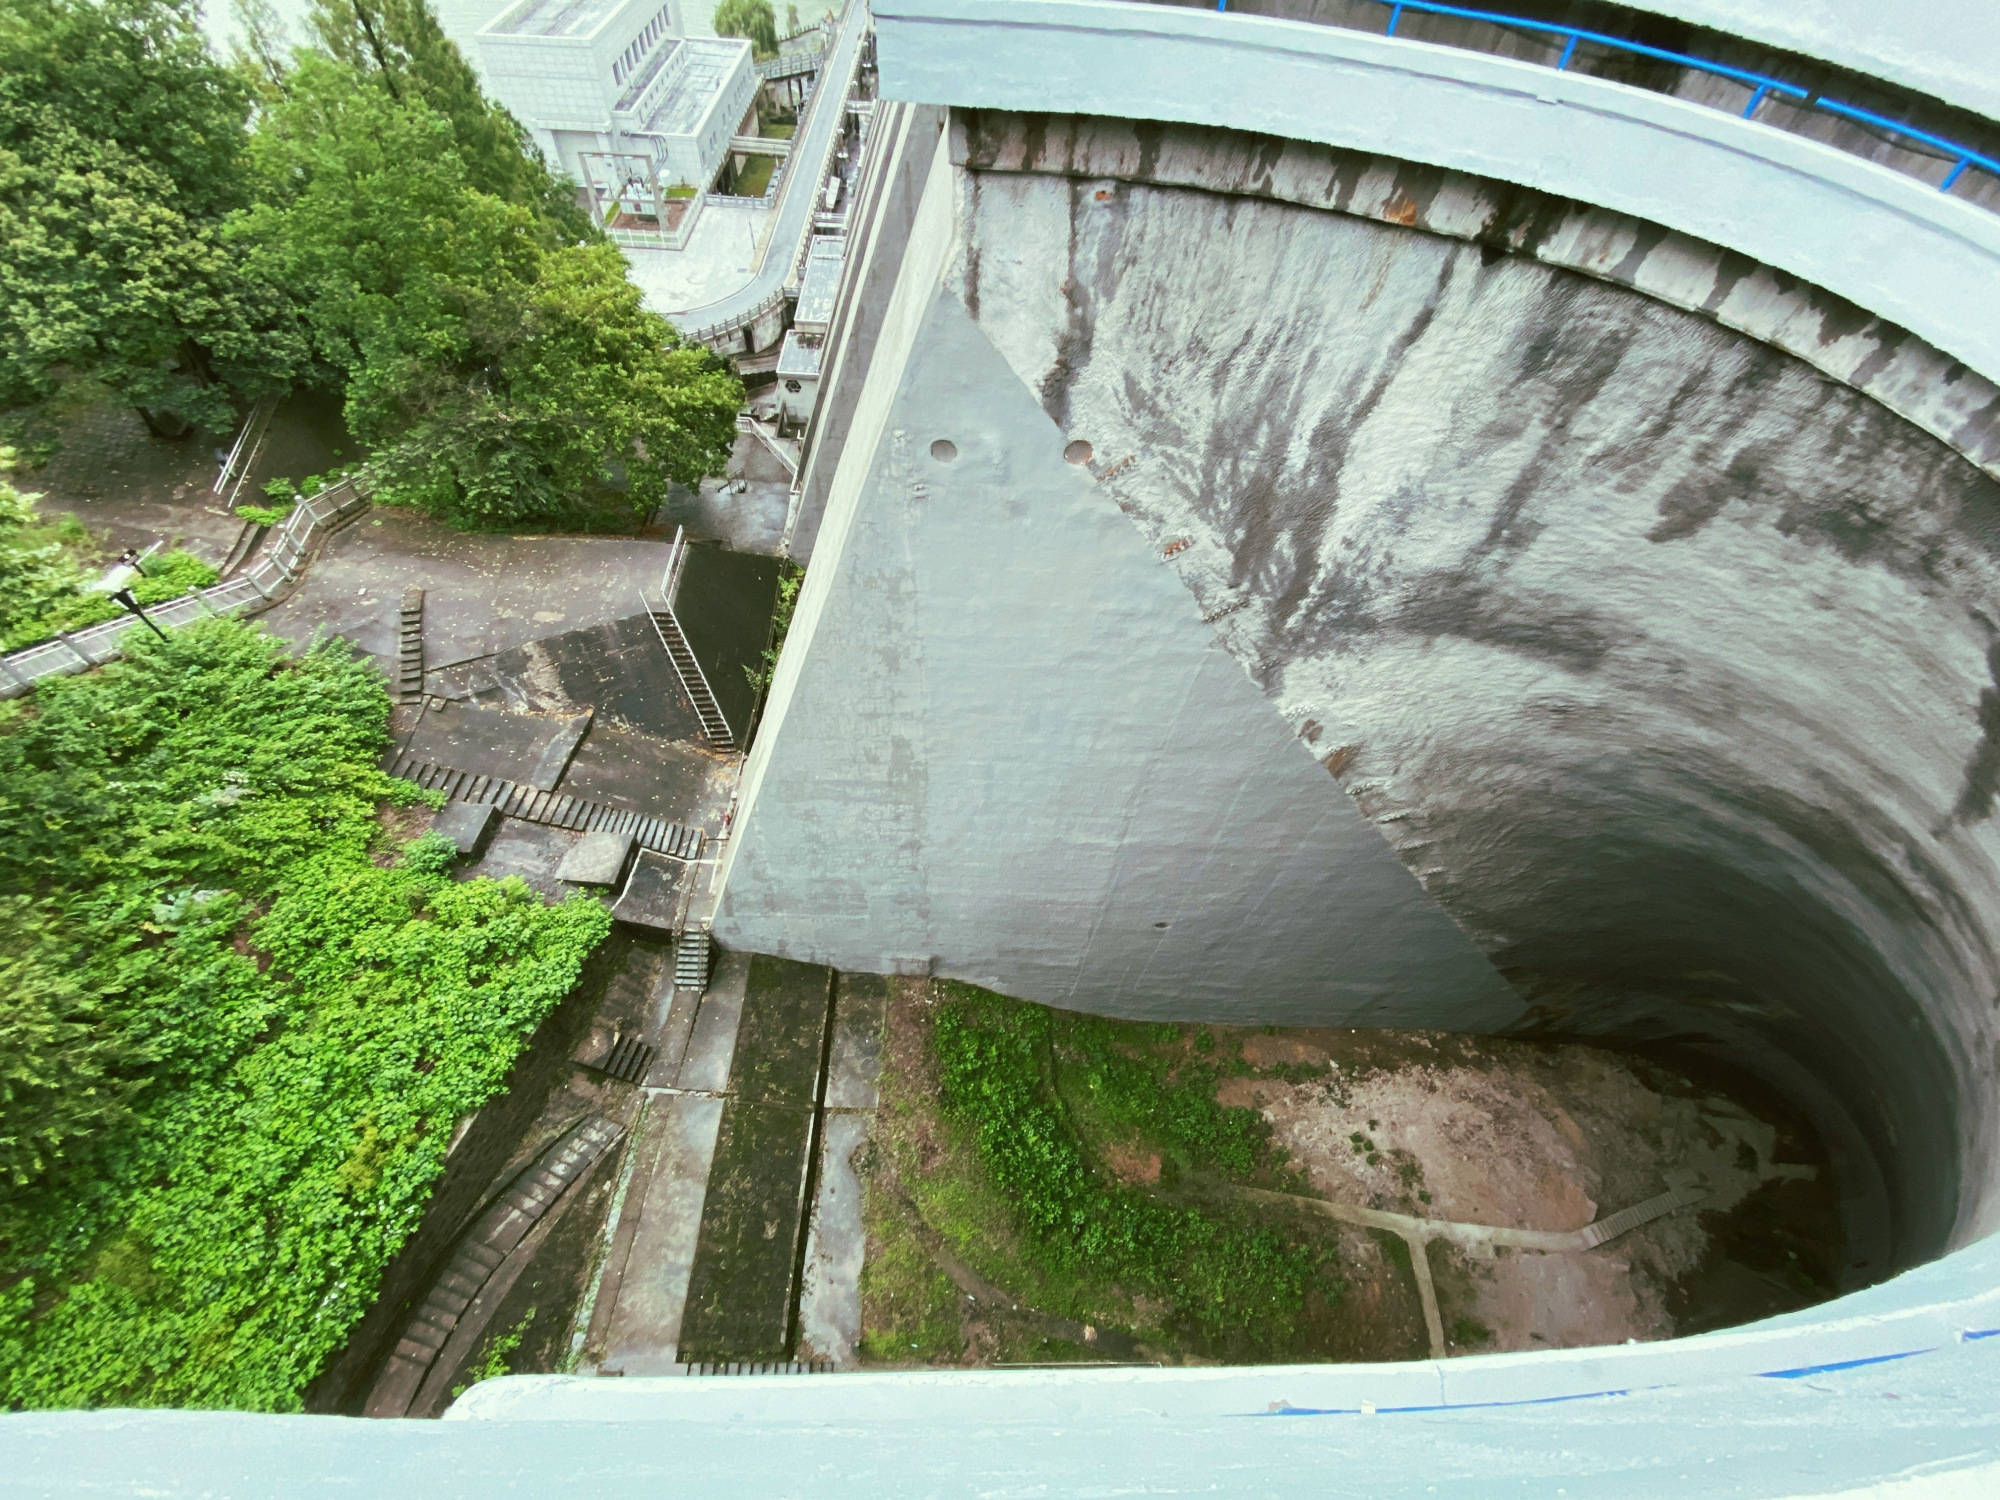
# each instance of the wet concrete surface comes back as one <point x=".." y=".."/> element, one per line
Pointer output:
<point x="637" y="1324"/>
<point x="484" y="593"/>
<point x="659" y="1228"/>
<point x="836" y="1240"/>
<point x="724" y="605"/>
<point x="749" y="519"/>
<point x="630" y="769"/>
<point x="619" y="667"/>
<point x="747" y="1262"/>
<point x="739" y="1298"/>
<point x="530" y="748"/>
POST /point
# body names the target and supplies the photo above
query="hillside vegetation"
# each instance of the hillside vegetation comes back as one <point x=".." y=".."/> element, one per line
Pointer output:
<point x="239" y="1016"/>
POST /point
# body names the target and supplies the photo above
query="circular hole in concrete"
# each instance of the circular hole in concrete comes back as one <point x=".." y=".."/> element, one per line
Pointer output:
<point x="944" y="450"/>
<point x="1078" y="452"/>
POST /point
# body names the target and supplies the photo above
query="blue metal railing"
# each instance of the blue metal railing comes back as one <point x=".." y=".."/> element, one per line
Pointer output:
<point x="1761" y="85"/>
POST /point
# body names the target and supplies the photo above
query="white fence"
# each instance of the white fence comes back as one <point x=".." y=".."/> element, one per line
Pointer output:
<point x="274" y="574"/>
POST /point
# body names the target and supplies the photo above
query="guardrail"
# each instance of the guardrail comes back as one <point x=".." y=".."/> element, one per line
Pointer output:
<point x="264" y="584"/>
<point x="1762" y="86"/>
<point x="730" y="326"/>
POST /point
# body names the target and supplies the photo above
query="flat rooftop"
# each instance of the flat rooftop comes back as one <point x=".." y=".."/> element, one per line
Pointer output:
<point x="799" y="357"/>
<point x="553" y="18"/>
<point x="821" y="280"/>
<point x="710" y="61"/>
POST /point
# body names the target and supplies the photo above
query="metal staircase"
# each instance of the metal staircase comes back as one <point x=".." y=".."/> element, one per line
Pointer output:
<point x="714" y="727"/>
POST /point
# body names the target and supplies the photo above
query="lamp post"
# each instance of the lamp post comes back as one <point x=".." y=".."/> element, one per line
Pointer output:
<point x="116" y="585"/>
<point x="127" y="598"/>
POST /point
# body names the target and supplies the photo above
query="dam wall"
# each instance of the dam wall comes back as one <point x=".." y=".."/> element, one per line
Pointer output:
<point x="1275" y="582"/>
<point x="1003" y="745"/>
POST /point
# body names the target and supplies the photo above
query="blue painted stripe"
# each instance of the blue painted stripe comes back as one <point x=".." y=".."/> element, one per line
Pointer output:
<point x="1392" y="1411"/>
<point x="1840" y="1364"/>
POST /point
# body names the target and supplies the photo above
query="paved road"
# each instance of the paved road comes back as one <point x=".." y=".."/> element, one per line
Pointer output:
<point x="798" y="197"/>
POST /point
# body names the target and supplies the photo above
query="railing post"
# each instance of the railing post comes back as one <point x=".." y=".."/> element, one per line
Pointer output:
<point x="1569" y="51"/>
<point x="1756" y="98"/>
<point x="1395" y="19"/>
<point x="81" y="654"/>
<point x="1954" y="174"/>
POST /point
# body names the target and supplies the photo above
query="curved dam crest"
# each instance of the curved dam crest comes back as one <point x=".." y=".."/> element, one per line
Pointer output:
<point x="1663" y="660"/>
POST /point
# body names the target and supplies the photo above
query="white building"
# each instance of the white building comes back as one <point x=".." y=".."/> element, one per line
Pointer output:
<point x="618" y="98"/>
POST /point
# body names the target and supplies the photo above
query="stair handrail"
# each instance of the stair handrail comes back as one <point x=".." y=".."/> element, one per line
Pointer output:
<point x="700" y="694"/>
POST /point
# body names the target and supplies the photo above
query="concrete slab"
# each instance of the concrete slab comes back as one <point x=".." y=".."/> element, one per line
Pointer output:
<point x="860" y="1005"/>
<point x="483" y="593"/>
<point x="670" y="778"/>
<point x="653" y="894"/>
<point x="665" y="1206"/>
<point x="783" y="1032"/>
<point x="830" y="1295"/>
<point x="676" y="1028"/>
<point x="712" y="1044"/>
<point x="534" y="748"/>
<point x="616" y="666"/>
<point x="739" y="1297"/>
<point x="596" y="859"/>
<point x="529" y="850"/>
<point x="469" y="825"/>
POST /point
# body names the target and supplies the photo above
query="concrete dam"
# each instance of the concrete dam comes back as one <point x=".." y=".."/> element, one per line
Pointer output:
<point x="1274" y="582"/>
<point x="1386" y="515"/>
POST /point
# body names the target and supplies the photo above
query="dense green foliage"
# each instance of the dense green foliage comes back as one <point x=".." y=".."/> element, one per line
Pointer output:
<point x="237" y="1023"/>
<point x="400" y="44"/>
<point x="358" y="217"/>
<point x="752" y="20"/>
<point x="46" y="568"/>
<point x="1229" y="1283"/>
<point x="500" y="372"/>
<point x="120" y="146"/>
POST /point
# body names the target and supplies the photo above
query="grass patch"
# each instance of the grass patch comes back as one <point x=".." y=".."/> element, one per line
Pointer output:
<point x="909" y="1308"/>
<point x="754" y="180"/>
<point x="1005" y="1156"/>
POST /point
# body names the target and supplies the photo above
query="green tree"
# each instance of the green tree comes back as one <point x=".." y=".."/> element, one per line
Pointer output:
<point x="400" y="44"/>
<point x="64" y="1077"/>
<point x="577" y="388"/>
<point x="751" y="19"/>
<point x="120" y="151"/>
<point x="498" y="379"/>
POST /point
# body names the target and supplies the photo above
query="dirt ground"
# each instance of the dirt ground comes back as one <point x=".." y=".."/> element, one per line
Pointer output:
<point x="1524" y="1135"/>
<point x="1529" y="1136"/>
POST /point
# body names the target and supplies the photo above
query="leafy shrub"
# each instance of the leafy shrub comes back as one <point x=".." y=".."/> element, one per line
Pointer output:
<point x="275" y="1032"/>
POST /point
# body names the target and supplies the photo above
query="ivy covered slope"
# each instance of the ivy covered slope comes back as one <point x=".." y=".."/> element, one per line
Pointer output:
<point x="238" y="1018"/>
